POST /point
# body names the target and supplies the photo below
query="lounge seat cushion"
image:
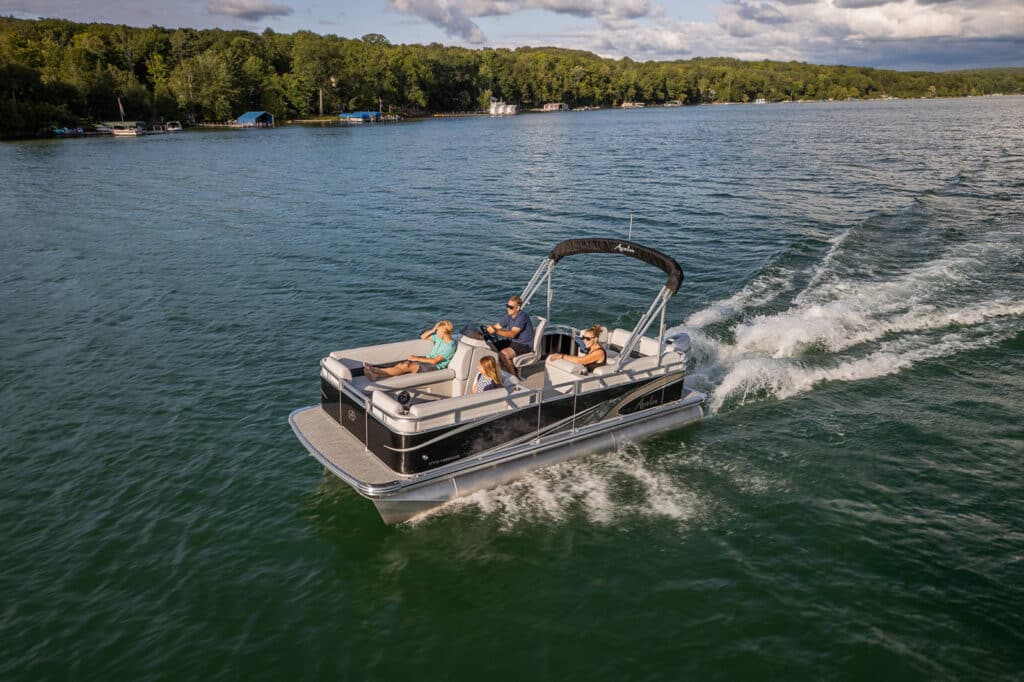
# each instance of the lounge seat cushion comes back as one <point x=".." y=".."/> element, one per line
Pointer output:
<point x="406" y="380"/>
<point x="558" y="372"/>
<point x="568" y="367"/>
<point x="345" y="365"/>
<point x="385" y="352"/>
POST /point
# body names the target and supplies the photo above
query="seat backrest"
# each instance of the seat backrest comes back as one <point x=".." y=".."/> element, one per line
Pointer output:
<point x="538" y="332"/>
<point x="462" y="361"/>
<point x="646" y="346"/>
<point x="618" y="337"/>
<point x="466" y="363"/>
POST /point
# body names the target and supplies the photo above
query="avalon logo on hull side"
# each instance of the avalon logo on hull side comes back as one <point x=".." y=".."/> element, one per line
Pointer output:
<point x="622" y="248"/>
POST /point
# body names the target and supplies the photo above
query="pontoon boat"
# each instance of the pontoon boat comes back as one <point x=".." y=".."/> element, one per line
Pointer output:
<point x="413" y="442"/>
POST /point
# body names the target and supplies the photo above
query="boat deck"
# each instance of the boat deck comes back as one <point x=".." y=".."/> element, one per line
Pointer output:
<point x="334" y="445"/>
<point x="533" y="376"/>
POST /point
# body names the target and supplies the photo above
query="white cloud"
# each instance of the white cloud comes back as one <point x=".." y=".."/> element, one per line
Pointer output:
<point x="456" y="18"/>
<point x="445" y="14"/>
<point x="878" y="19"/>
<point x="929" y="34"/>
<point x="921" y="35"/>
<point x="914" y="33"/>
<point x="247" y="10"/>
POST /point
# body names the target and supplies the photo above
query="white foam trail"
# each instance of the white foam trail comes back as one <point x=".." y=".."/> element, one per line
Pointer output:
<point x="839" y="325"/>
<point x="879" y="296"/>
<point x="597" y="486"/>
<point x="662" y="497"/>
<point x="776" y="354"/>
<point x="784" y="378"/>
<point x="790" y="333"/>
<point x="759" y="291"/>
<point x="923" y="282"/>
<point x="825" y="265"/>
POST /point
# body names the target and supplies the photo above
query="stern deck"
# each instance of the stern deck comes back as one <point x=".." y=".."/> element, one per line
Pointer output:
<point x="339" y="450"/>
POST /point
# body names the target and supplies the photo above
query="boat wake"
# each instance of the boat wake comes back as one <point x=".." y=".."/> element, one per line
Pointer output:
<point x="686" y="490"/>
<point x="604" y="489"/>
<point x="859" y="317"/>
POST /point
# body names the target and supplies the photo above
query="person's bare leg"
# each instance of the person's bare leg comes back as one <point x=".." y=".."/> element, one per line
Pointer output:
<point x="401" y="368"/>
<point x="506" y="356"/>
<point x="377" y="373"/>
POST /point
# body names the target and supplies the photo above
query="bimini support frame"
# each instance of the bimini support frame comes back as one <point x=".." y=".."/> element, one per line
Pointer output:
<point x="627" y="248"/>
<point x="538" y="277"/>
<point x="657" y="308"/>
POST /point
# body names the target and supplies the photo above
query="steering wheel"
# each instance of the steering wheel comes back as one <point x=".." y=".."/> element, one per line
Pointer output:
<point x="489" y="337"/>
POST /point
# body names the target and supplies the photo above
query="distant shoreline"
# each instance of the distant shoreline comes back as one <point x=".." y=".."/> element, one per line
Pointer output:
<point x="334" y="121"/>
<point x="64" y="74"/>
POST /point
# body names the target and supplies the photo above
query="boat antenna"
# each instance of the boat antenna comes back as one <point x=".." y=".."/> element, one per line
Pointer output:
<point x="630" y="237"/>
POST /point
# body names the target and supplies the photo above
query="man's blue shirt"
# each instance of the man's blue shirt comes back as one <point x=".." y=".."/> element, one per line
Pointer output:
<point x="525" y="324"/>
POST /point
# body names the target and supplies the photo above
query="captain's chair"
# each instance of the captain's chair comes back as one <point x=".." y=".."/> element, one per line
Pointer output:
<point x="533" y="356"/>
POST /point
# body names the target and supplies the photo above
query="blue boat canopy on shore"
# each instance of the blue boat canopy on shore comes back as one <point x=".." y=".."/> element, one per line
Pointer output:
<point x="255" y="118"/>
<point x="361" y="115"/>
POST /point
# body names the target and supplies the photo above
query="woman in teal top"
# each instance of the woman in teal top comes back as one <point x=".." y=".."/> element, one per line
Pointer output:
<point x="440" y="355"/>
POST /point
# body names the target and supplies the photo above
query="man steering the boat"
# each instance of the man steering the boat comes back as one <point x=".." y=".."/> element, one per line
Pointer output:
<point x="514" y="332"/>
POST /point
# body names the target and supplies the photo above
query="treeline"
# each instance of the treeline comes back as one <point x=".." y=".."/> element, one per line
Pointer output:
<point x="56" y="72"/>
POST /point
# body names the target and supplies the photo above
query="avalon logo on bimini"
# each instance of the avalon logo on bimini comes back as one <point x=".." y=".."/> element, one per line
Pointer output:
<point x="622" y="248"/>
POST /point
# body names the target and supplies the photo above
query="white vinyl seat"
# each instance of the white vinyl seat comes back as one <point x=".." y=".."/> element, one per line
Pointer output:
<point x="533" y="356"/>
<point x="561" y="372"/>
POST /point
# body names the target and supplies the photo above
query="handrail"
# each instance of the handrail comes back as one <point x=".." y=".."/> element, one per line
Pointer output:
<point x="660" y="301"/>
<point x="531" y="288"/>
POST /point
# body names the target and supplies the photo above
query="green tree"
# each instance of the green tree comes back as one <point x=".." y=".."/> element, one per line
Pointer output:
<point x="204" y="87"/>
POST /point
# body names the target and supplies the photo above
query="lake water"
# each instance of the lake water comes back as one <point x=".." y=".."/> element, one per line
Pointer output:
<point x="851" y="509"/>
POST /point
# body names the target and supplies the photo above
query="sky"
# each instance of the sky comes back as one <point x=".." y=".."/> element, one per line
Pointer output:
<point x="931" y="35"/>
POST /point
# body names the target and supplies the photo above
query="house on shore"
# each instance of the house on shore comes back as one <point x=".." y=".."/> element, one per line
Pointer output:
<point x="556" y="106"/>
<point x="255" y="119"/>
<point x="499" y="108"/>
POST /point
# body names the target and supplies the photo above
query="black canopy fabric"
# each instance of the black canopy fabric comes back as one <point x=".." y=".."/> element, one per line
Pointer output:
<point x="669" y="265"/>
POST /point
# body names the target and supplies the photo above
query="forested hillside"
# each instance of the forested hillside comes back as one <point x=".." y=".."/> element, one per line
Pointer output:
<point x="55" y="72"/>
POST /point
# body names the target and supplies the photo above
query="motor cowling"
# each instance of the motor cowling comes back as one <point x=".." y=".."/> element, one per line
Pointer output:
<point x="679" y="343"/>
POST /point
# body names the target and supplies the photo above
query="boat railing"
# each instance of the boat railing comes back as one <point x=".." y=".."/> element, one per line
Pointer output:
<point x="562" y="380"/>
<point x="386" y="408"/>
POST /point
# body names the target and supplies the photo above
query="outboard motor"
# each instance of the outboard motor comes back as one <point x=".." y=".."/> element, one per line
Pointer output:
<point x="680" y="343"/>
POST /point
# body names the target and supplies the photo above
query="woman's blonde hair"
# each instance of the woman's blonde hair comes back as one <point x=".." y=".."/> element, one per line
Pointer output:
<point x="490" y="368"/>
<point x="596" y="330"/>
<point x="445" y="326"/>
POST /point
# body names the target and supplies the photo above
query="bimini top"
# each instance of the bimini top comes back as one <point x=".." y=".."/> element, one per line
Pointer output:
<point x="669" y="265"/>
